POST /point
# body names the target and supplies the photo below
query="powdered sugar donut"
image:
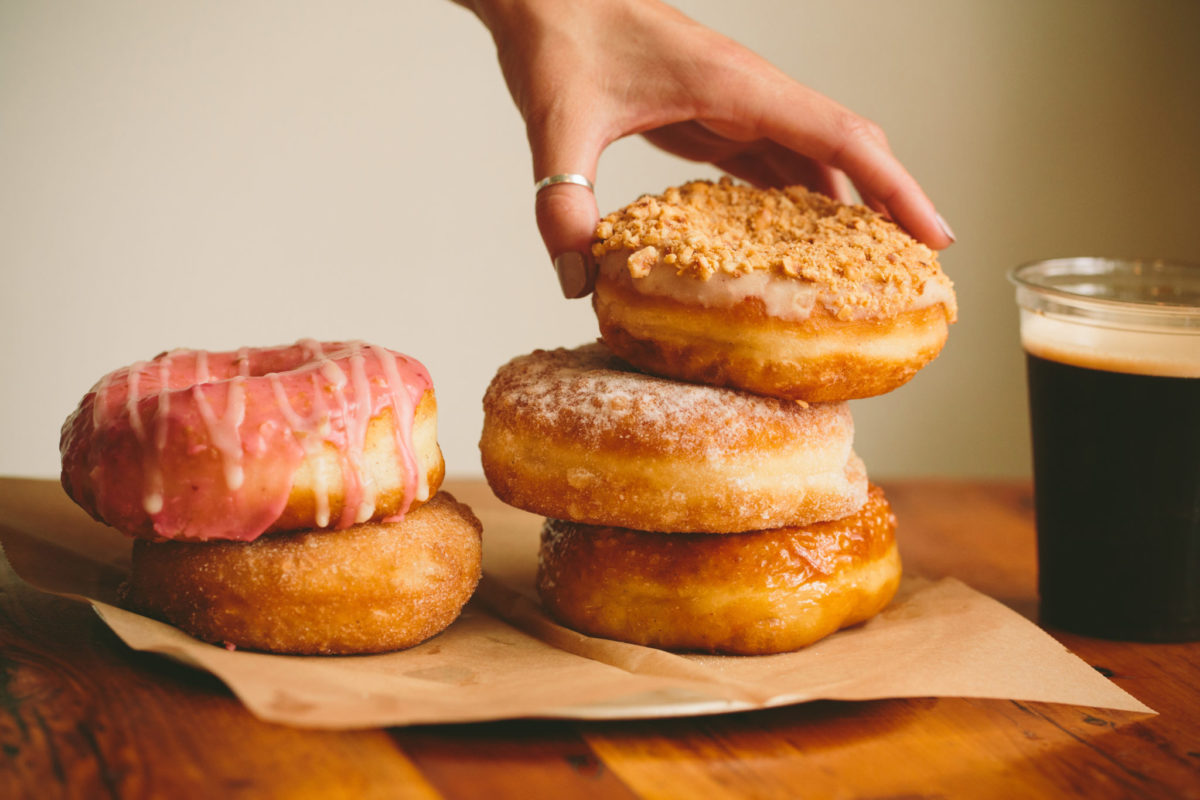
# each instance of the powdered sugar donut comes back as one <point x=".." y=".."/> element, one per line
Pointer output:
<point x="781" y="292"/>
<point x="579" y="435"/>
<point x="202" y="446"/>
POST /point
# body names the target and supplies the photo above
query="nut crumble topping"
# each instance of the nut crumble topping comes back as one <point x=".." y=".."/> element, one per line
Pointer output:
<point x="862" y="263"/>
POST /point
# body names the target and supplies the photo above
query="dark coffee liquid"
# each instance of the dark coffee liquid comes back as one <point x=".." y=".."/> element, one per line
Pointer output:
<point x="1117" y="479"/>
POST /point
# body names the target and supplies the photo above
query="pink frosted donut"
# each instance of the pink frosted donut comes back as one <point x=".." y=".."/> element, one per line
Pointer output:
<point x="198" y="446"/>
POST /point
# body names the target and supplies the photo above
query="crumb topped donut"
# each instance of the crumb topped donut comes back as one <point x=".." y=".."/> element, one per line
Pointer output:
<point x="578" y="434"/>
<point x="198" y="446"/>
<point x="778" y="291"/>
<point x="366" y="589"/>
<point x="753" y="593"/>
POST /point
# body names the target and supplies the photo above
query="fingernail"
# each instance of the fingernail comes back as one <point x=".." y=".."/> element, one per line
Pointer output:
<point x="572" y="272"/>
<point x="946" y="229"/>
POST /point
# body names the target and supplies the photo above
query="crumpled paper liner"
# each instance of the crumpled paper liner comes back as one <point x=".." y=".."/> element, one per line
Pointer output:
<point x="505" y="659"/>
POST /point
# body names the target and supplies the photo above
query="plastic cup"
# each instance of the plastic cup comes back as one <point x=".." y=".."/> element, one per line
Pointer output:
<point x="1113" y="364"/>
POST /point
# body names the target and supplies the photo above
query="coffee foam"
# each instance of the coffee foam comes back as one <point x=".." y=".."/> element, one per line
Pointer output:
<point x="1135" y="352"/>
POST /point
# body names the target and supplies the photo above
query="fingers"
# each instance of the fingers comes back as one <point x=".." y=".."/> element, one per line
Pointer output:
<point x="809" y="123"/>
<point x="843" y="189"/>
<point x="760" y="162"/>
<point x="797" y="169"/>
<point x="566" y="213"/>
<point x="694" y="141"/>
<point x="740" y="98"/>
<point x="774" y="166"/>
<point x="566" y="218"/>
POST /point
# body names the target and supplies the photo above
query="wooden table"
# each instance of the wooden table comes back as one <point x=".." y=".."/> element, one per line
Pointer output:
<point x="82" y="715"/>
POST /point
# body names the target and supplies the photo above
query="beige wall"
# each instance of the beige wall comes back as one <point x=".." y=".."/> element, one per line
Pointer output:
<point x="220" y="174"/>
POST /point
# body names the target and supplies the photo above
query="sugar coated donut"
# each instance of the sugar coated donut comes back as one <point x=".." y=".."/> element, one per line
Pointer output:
<point x="202" y="446"/>
<point x="781" y="292"/>
<point x="752" y="593"/>
<point x="369" y="588"/>
<point x="577" y="434"/>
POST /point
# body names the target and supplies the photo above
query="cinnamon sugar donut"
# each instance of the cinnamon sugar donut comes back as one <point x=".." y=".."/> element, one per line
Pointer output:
<point x="366" y="589"/>
<point x="781" y="292"/>
<point x="200" y="446"/>
<point x="577" y="434"/>
<point x="752" y="593"/>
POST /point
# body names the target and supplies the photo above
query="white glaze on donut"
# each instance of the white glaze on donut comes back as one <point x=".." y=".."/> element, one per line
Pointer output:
<point x="782" y="296"/>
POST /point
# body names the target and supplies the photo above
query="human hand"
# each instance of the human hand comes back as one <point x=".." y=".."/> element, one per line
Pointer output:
<point x="584" y="74"/>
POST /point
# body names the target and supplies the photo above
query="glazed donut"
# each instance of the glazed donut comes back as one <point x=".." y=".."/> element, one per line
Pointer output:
<point x="782" y="292"/>
<point x="577" y="434"/>
<point x="366" y="589"/>
<point x="752" y="593"/>
<point x="199" y="446"/>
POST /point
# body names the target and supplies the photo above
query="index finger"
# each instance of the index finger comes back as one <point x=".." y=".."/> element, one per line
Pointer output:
<point x="810" y="123"/>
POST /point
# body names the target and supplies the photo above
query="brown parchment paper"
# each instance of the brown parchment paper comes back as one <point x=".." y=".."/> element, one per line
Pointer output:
<point x="504" y="658"/>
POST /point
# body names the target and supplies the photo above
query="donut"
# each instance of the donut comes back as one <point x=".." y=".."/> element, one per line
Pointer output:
<point x="365" y="589"/>
<point x="199" y="446"/>
<point x="782" y="292"/>
<point x="578" y="434"/>
<point x="753" y="593"/>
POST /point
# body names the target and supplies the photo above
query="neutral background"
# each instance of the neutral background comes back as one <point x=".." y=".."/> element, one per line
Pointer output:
<point x="222" y="174"/>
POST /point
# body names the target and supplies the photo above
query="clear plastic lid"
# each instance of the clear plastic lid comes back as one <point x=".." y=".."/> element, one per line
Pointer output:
<point x="1148" y="295"/>
<point x="1139" y="317"/>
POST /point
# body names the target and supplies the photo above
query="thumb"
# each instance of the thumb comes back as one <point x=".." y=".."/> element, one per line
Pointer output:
<point x="567" y="217"/>
<point x="567" y="212"/>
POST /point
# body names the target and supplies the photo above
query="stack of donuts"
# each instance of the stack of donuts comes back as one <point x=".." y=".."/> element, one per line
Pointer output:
<point x="283" y="499"/>
<point x="696" y="466"/>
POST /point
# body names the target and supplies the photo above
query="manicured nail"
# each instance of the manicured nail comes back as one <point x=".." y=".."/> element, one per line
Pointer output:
<point x="572" y="272"/>
<point x="946" y="229"/>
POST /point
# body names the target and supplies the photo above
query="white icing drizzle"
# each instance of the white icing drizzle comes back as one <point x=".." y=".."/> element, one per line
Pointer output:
<point x="164" y="403"/>
<point x="312" y="347"/>
<point x="132" y="395"/>
<point x="223" y="430"/>
<point x="321" y="429"/>
<point x="339" y="387"/>
<point x="354" y="474"/>
<point x="202" y="375"/>
<point x="352" y="468"/>
<point x="308" y="430"/>
<point x="152" y="498"/>
<point x="333" y="373"/>
<point x="357" y="420"/>
<point x="405" y="415"/>
<point x="100" y="401"/>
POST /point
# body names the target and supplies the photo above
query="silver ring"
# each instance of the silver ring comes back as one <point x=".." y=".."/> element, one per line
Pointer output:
<point x="566" y="177"/>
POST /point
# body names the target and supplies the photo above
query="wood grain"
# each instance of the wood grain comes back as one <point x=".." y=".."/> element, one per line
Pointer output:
<point x="511" y="761"/>
<point x="83" y="716"/>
